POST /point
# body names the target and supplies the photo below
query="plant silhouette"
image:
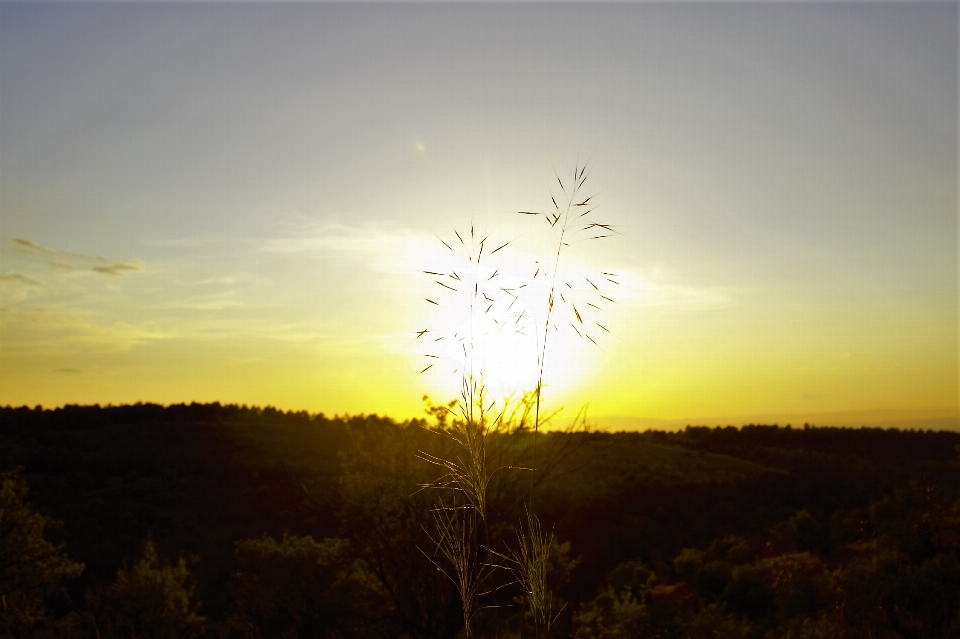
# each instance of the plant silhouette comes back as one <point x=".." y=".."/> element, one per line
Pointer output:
<point x="463" y="547"/>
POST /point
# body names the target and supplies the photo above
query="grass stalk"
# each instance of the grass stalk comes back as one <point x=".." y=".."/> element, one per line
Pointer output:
<point x="569" y="225"/>
<point x="463" y="548"/>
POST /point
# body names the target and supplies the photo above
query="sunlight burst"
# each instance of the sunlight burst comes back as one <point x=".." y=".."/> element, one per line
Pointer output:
<point x="485" y="317"/>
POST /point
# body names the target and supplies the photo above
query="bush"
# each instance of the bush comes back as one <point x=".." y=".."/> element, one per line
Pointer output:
<point x="688" y="562"/>
<point x="299" y="587"/>
<point x="151" y="599"/>
<point x="31" y="568"/>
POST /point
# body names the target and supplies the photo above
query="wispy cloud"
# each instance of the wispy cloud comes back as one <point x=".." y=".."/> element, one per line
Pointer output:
<point x="56" y="330"/>
<point x="662" y="288"/>
<point x="190" y="241"/>
<point x="651" y="293"/>
<point x="403" y="251"/>
<point x="374" y="249"/>
<point x="211" y="302"/>
<point x="18" y="278"/>
<point x="119" y="268"/>
<point x="67" y="261"/>
<point x="329" y="338"/>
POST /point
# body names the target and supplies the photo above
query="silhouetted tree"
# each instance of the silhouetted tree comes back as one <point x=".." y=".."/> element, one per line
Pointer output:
<point x="31" y="567"/>
<point x="151" y="599"/>
<point x="303" y="588"/>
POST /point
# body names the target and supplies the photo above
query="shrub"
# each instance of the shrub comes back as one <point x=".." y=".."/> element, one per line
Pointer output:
<point x="31" y="568"/>
<point x="299" y="587"/>
<point x="150" y="599"/>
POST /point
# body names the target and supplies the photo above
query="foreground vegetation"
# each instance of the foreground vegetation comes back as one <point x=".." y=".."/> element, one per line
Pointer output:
<point x="226" y="521"/>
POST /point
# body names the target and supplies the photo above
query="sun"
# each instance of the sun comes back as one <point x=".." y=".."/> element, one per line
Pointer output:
<point x="486" y="311"/>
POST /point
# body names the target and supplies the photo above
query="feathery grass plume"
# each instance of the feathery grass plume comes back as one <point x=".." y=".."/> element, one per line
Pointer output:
<point x="460" y="519"/>
<point x="467" y="474"/>
<point x="571" y="221"/>
<point x="482" y="299"/>
<point x="462" y="539"/>
<point x="456" y="542"/>
<point x="529" y="562"/>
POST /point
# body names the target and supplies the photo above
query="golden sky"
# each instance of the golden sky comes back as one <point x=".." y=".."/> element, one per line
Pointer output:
<point x="236" y="203"/>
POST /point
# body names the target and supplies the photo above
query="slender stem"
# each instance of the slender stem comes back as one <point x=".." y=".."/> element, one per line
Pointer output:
<point x="546" y="332"/>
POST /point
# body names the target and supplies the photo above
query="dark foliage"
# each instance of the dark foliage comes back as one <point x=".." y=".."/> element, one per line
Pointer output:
<point x="758" y="532"/>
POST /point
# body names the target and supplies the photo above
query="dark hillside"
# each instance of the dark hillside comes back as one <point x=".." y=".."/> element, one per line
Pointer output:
<point x="198" y="479"/>
<point x="647" y="495"/>
<point x="194" y="478"/>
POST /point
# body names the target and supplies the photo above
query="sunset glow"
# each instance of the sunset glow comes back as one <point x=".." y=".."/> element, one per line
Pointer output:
<point x="252" y="203"/>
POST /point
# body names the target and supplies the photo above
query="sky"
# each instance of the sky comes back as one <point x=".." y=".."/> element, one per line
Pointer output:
<point x="237" y="203"/>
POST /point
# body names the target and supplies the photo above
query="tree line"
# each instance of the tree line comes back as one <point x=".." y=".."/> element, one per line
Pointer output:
<point x="232" y="521"/>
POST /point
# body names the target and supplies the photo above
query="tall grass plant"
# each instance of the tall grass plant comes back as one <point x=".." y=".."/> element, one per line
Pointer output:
<point x="462" y="546"/>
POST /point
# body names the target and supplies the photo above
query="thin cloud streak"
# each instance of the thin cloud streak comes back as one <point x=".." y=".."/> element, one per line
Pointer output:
<point x="406" y="252"/>
<point x="68" y="261"/>
<point x="58" y="331"/>
<point x="17" y="278"/>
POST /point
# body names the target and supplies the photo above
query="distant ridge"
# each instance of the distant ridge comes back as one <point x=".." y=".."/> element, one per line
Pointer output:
<point x="927" y="419"/>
